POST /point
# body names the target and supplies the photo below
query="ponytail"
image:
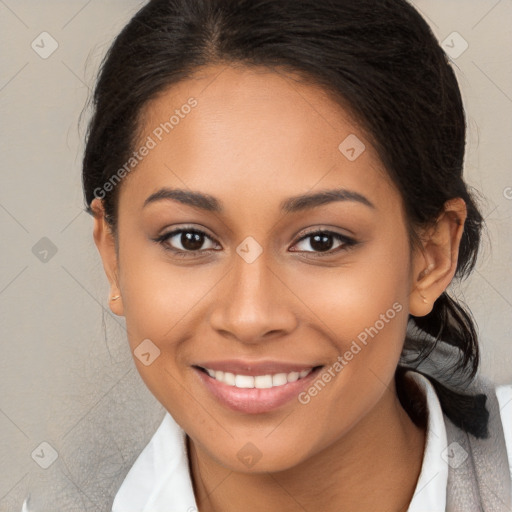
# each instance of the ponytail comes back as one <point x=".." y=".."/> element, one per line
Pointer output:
<point x="448" y="323"/>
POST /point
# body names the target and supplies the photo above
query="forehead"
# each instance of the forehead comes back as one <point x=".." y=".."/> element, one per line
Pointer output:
<point x="255" y="132"/>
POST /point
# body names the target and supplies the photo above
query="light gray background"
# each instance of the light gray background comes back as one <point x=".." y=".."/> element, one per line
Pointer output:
<point x="67" y="377"/>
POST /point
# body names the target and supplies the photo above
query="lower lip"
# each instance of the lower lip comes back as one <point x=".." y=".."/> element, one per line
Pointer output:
<point x="253" y="400"/>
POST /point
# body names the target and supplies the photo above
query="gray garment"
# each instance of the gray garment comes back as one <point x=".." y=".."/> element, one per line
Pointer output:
<point x="481" y="483"/>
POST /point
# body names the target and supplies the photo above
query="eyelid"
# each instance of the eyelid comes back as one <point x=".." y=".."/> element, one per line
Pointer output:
<point x="321" y="229"/>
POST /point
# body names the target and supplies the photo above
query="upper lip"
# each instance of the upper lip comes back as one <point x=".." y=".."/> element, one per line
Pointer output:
<point x="254" y="368"/>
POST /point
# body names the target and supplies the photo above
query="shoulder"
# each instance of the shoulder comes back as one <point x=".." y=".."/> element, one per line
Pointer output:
<point x="159" y="479"/>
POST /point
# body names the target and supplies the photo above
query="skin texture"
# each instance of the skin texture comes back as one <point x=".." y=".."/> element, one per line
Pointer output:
<point x="254" y="139"/>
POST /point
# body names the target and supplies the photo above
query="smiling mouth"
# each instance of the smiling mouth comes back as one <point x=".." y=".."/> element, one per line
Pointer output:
<point x="266" y="381"/>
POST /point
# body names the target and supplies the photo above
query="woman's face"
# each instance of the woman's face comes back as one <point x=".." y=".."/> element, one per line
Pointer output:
<point x="247" y="290"/>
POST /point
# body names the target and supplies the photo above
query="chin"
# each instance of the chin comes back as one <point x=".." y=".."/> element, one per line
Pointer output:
<point x="260" y="456"/>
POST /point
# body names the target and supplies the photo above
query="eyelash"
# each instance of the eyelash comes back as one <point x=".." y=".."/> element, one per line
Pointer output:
<point x="346" y="242"/>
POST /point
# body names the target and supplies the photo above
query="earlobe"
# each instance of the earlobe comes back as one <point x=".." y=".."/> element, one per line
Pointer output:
<point x="106" y="244"/>
<point x="435" y="262"/>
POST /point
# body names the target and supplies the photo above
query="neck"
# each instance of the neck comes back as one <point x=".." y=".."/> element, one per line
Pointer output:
<point x="375" y="466"/>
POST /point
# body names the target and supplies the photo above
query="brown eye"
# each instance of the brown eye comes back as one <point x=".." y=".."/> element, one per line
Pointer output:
<point x="191" y="241"/>
<point x="186" y="241"/>
<point x="324" y="241"/>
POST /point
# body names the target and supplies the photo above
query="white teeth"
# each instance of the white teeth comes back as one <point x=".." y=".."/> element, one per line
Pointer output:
<point x="279" y="379"/>
<point x="263" y="381"/>
<point x="243" y="381"/>
<point x="229" y="378"/>
<point x="293" y="376"/>
<point x="259" y="381"/>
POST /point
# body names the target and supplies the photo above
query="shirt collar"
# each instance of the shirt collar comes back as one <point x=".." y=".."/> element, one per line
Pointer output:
<point x="430" y="492"/>
<point x="159" y="480"/>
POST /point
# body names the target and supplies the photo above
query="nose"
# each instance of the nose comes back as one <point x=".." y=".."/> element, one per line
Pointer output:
<point x="254" y="303"/>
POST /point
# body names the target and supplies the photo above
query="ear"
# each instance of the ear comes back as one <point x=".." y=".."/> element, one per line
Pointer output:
<point x="435" y="262"/>
<point x="105" y="242"/>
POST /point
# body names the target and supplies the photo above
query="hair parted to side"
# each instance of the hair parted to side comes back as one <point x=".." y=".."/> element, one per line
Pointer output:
<point x="378" y="58"/>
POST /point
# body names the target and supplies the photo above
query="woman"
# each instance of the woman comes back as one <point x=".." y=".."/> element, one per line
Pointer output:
<point x="279" y="206"/>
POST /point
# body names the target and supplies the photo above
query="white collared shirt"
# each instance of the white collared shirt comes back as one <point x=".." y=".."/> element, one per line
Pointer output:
<point x="159" y="480"/>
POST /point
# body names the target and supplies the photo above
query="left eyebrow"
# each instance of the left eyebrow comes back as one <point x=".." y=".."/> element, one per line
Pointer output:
<point x="306" y="201"/>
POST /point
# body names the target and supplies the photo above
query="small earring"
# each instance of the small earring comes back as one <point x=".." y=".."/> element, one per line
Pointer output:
<point x="116" y="297"/>
<point x="425" y="301"/>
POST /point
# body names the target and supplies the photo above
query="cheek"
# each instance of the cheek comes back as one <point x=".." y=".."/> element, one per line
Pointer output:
<point x="362" y="308"/>
<point x="158" y="294"/>
<point x="369" y="290"/>
<point x="163" y="302"/>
